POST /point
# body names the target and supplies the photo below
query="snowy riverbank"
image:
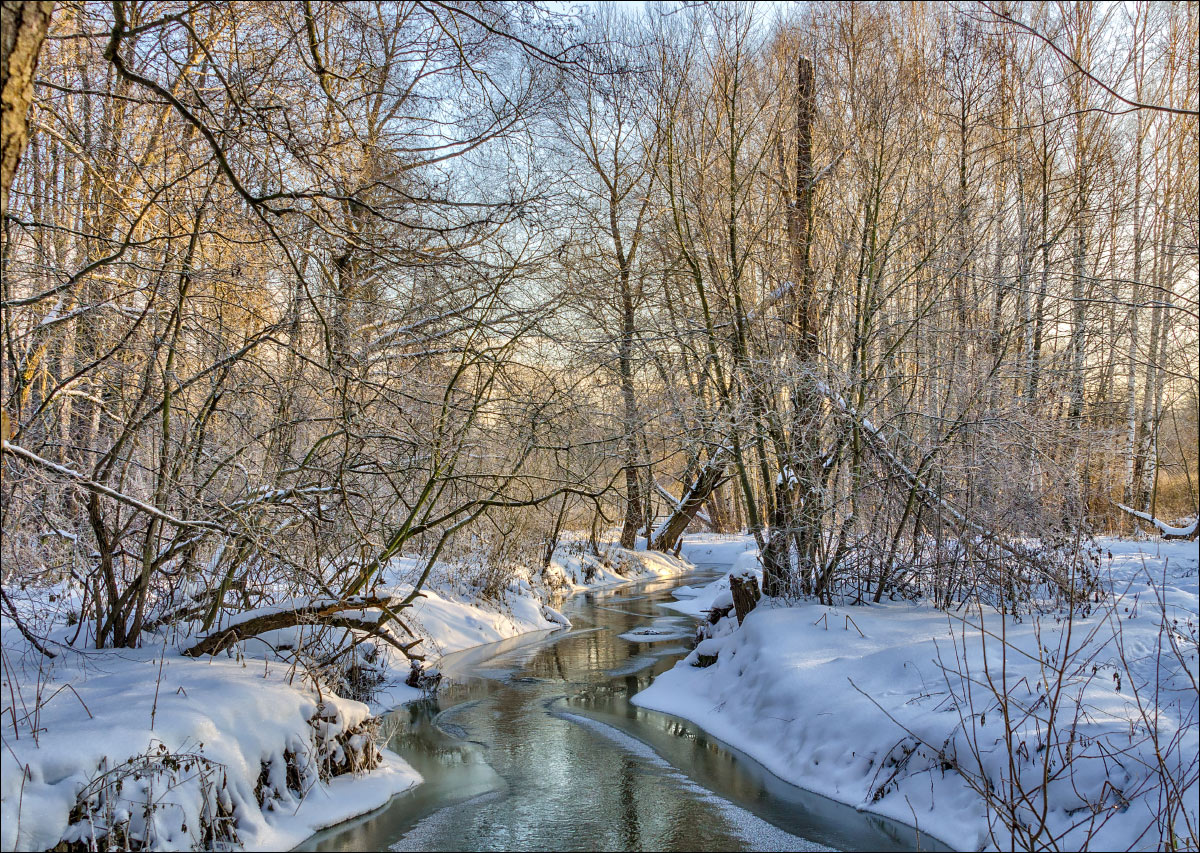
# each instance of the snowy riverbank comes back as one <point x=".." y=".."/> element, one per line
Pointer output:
<point x="241" y="749"/>
<point x="452" y="616"/>
<point x="891" y="707"/>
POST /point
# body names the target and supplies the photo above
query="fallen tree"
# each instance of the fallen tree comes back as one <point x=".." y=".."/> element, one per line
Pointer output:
<point x="933" y="501"/>
<point x="1167" y="531"/>
<point x="370" y="614"/>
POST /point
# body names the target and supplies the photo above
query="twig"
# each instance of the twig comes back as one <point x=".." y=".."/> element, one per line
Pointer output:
<point x="20" y="625"/>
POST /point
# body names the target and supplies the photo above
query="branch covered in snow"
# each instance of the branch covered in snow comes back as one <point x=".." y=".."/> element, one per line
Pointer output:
<point x="99" y="488"/>
<point x="1168" y="531"/>
<point x="674" y="502"/>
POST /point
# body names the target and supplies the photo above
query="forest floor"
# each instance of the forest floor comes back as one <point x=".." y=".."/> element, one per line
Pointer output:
<point x="894" y="707"/>
<point x="240" y="748"/>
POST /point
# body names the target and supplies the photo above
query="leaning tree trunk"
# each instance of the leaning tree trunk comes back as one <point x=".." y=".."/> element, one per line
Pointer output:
<point x="710" y="476"/>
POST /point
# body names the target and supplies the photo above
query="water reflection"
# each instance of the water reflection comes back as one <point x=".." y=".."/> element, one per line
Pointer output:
<point x="534" y="745"/>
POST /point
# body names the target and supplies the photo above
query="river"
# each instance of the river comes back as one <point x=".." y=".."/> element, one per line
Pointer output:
<point x="534" y="745"/>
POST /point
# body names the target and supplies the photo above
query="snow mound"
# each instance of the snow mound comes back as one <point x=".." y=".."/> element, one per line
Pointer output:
<point x="174" y="754"/>
<point x="894" y="708"/>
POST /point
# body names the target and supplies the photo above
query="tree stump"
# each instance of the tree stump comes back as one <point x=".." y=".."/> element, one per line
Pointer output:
<point x="744" y="587"/>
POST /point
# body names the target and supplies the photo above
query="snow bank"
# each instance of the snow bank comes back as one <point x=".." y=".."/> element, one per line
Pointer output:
<point x="866" y="705"/>
<point x="242" y="750"/>
<point x="697" y="601"/>
<point x="718" y="548"/>
<point x="454" y="614"/>
<point x="574" y="565"/>
<point x="226" y="750"/>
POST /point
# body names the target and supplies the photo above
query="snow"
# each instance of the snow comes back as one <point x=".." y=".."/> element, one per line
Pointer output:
<point x="721" y="549"/>
<point x="878" y="719"/>
<point x="1180" y="532"/>
<point x="87" y="715"/>
<point x="660" y="631"/>
<point x="241" y="715"/>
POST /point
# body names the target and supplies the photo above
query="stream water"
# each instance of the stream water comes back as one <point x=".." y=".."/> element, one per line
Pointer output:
<point x="534" y="745"/>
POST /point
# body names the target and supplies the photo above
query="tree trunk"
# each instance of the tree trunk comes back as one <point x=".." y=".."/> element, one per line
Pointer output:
<point x="633" y="483"/>
<point x="802" y="463"/>
<point x="744" y="587"/>
<point x="711" y="476"/>
<point x="23" y="25"/>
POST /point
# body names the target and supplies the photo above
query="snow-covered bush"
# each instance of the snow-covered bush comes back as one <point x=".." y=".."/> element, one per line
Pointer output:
<point x="159" y="800"/>
<point x="1071" y="761"/>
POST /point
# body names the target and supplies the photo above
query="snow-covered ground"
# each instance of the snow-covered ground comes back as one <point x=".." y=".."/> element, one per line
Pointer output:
<point x="102" y="712"/>
<point x="242" y="742"/>
<point x="718" y="549"/>
<point x="452" y="615"/>
<point x="893" y="708"/>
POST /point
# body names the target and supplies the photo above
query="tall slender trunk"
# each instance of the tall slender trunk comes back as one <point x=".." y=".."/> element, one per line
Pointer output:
<point x="1039" y="305"/>
<point x="1134" y="314"/>
<point x="797" y="505"/>
<point x="633" y="482"/>
<point x="1158" y="355"/>
<point x="1143" y="462"/>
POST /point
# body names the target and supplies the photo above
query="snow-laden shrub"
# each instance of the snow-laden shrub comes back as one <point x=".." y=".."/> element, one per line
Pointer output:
<point x="1088" y="723"/>
<point x="331" y="749"/>
<point x="159" y="800"/>
<point x="193" y="796"/>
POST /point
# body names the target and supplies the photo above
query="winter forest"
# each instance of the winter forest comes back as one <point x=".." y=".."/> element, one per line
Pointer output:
<point x="341" y="340"/>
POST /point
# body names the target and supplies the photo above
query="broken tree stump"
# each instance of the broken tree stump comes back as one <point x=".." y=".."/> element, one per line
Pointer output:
<point x="744" y="587"/>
